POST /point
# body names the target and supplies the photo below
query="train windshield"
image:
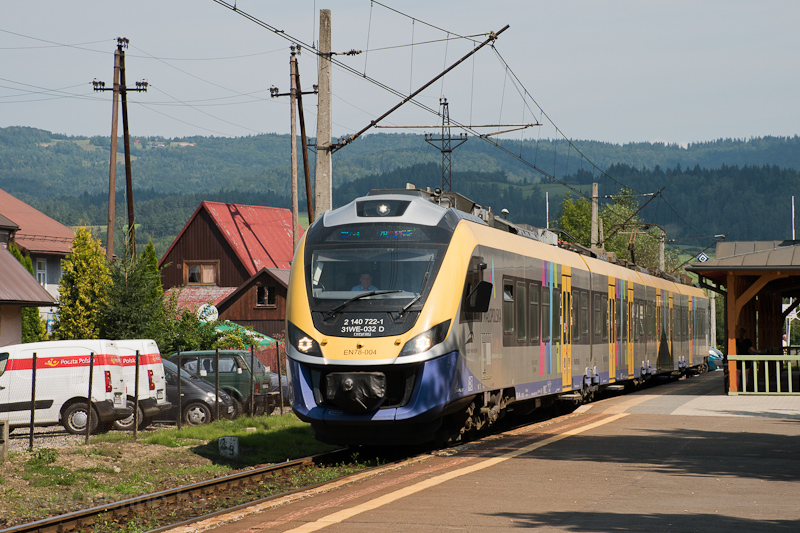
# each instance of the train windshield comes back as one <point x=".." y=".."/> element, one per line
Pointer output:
<point x="374" y="266"/>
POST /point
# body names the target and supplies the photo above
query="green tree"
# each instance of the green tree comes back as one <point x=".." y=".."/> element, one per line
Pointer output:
<point x="134" y="307"/>
<point x="629" y="237"/>
<point x="33" y="327"/>
<point x="83" y="288"/>
<point x="575" y="218"/>
<point x="184" y="330"/>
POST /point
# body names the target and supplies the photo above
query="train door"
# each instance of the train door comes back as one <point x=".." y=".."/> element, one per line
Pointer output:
<point x="670" y="328"/>
<point x="612" y="331"/>
<point x="690" y="330"/>
<point x="566" y="329"/>
<point x="630" y="330"/>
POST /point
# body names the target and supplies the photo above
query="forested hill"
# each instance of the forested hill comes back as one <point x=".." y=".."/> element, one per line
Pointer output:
<point x="741" y="187"/>
<point x="36" y="162"/>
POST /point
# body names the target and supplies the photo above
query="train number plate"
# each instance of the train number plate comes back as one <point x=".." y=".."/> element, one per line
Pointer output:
<point x="363" y="325"/>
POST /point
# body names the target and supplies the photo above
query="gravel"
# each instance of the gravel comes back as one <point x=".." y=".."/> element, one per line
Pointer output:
<point x="54" y="437"/>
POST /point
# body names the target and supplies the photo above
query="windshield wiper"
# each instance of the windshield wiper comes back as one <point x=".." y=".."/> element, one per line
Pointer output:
<point x="344" y="304"/>
<point x="421" y="289"/>
<point x="409" y="304"/>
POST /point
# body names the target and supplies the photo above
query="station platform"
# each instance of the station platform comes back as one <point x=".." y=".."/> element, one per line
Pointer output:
<point x="701" y="395"/>
<point x="682" y="456"/>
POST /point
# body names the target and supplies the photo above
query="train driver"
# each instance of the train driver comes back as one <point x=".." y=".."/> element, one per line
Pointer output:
<point x="365" y="283"/>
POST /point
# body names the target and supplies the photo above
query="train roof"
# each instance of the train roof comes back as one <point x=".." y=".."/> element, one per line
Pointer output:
<point x="426" y="207"/>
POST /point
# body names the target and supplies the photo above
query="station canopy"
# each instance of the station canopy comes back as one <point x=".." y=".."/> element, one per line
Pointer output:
<point x="758" y="278"/>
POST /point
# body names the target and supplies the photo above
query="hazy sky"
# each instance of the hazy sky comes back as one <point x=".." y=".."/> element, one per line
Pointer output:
<point x="616" y="71"/>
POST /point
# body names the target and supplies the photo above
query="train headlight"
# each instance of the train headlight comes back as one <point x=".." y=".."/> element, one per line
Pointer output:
<point x="425" y="341"/>
<point x="302" y="342"/>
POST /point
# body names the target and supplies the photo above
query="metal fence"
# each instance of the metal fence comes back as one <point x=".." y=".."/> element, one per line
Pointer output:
<point x="23" y="414"/>
<point x="765" y="374"/>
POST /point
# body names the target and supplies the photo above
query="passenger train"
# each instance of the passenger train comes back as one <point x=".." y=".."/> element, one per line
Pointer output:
<point x="467" y="317"/>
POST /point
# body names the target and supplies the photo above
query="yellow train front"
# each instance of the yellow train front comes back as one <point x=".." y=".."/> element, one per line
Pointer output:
<point x="409" y="321"/>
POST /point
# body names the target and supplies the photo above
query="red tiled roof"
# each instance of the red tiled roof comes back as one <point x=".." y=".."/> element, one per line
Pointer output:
<point x="192" y="297"/>
<point x="38" y="232"/>
<point x="18" y="286"/>
<point x="261" y="237"/>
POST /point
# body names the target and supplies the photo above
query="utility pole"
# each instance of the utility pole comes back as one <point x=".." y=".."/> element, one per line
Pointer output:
<point x="112" y="166"/>
<point x="293" y="114"/>
<point x="324" y="180"/>
<point x="140" y="86"/>
<point x="295" y="95"/>
<point x="304" y="141"/>
<point x="445" y="145"/>
<point x="595" y="188"/>
<point x="121" y="89"/>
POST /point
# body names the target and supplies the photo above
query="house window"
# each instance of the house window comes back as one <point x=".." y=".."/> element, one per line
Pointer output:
<point x="200" y="273"/>
<point x="41" y="271"/>
<point x="265" y="296"/>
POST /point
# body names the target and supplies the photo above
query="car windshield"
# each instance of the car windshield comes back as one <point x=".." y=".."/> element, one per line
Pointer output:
<point x="169" y="366"/>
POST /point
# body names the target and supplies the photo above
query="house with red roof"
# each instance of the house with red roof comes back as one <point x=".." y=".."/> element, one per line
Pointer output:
<point x="237" y="258"/>
<point x="36" y="234"/>
<point x="18" y="289"/>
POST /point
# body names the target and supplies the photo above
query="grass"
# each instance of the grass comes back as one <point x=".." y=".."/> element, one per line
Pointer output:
<point x="113" y="466"/>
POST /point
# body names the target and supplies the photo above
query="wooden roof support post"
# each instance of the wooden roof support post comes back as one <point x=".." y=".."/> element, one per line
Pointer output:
<point x="736" y="303"/>
<point x="733" y="319"/>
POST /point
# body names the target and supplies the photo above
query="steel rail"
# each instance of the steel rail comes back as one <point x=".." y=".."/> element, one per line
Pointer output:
<point x="167" y="499"/>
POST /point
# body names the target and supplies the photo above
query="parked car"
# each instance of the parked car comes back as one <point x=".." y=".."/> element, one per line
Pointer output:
<point x="152" y="393"/>
<point x="273" y="378"/>
<point x="234" y="377"/>
<point x="62" y="384"/>
<point x="715" y="358"/>
<point x="198" y="400"/>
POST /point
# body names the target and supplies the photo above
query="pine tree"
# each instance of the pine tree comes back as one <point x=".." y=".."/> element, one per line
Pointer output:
<point x="83" y="288"/>
<point x="33" y="327"/>
<point x="134" y="308"/>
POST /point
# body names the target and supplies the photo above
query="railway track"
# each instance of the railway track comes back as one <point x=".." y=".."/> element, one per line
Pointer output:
<point x="183" y="505"/>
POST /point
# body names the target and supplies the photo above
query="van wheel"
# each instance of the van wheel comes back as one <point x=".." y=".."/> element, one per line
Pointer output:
<point x="126" y="424"/>
<point x="196" y="414"/>
<point x="75" y="418"/>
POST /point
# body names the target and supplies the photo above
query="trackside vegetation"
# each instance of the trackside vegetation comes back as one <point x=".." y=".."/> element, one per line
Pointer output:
<point x="52" y="481"/>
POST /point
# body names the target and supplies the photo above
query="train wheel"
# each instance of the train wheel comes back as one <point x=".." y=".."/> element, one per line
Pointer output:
<point x="587" y="395"/>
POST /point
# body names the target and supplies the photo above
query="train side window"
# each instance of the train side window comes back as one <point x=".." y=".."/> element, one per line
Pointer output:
<point x="640" y="321"/>
<point x="625" y="321"/>
<point x="545" y="314"/>
<point x="508" y="307"/>
<point x="557" y="322"/>
<point x="585" y="316"/>
<point x="573" y="328"/>
<point x="3" y="361"/>
<point x="597" y="317"/>
<point x="534" y="312"/>
<point x="685" y="323"/>
<point x="618" y="319"/>
<point x="604" y="306"/>
<point x="522" y="308"/>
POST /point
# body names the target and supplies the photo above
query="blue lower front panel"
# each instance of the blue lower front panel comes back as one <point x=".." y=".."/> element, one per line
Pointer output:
<point x="438" y="382"/>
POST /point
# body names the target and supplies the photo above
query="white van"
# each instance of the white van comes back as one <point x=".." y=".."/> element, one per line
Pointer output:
<point x="62" y="384"/>
<point x="152" y="383"/>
